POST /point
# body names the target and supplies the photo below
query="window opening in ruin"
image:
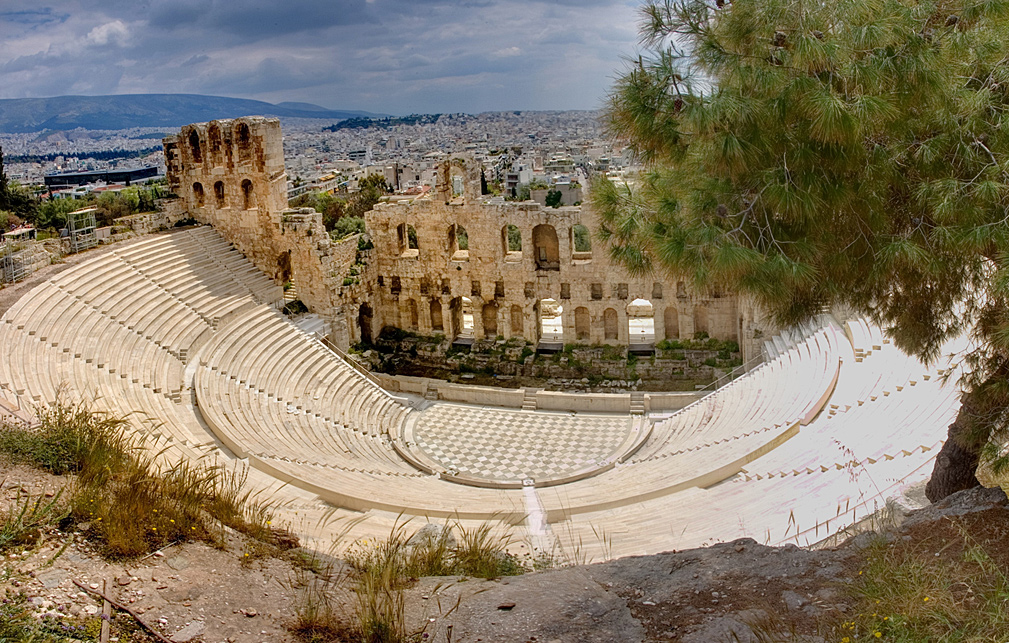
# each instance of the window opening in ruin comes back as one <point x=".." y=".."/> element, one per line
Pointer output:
<point x="517" y="321"/>
<point x="529" y="290"/>
<point x="446" y="286"/>
<point x="396" y="286"/>
<point x="681" y="290"/>
<point x="511" y="241"/>
<point x="219" y="193"/>
<point x="551" y="320"/>
<point x="364" y="317"/>
<point x="656" y="290"/>
<point x="244" y="143"/>
<point x="582" y="322"/>
<point x="412" y="318"/>
<point x="621" y="291"/>
<point x="610" y="324"/>
<point x="474" y="288"/>
<point x="466" y="317"/>
<point x="406" y="238"/>
<point x="499" y="289"/>
<point x="701" y="320"/>
<point x="489" y="319"/>
<point x="248" y="198"/>
<point x="214" y="134"/>
<point x="565" y="291"/>
<point x="198" y="193"/>
<point x="425" y="286"/>
<point x="581" y="243"/>
<point x="436" y="319"/>
<point x="545" y="248"/>
<point x="640" y="322"/>
<point x="458" y="243"/>
<point x="597" y="291"/>
<point x="671" y="317"/>
<point x="194" y="146"/>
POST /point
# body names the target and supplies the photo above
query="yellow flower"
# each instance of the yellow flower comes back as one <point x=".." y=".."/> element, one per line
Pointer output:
<point x="877" y="634"/>
<point x="926" y="599"/>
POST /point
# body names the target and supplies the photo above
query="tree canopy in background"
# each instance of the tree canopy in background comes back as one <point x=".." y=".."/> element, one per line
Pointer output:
<point x="831" y="153"/>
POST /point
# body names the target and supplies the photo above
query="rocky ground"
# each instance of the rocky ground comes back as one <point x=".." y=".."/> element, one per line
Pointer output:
<point x="195" y="592"/>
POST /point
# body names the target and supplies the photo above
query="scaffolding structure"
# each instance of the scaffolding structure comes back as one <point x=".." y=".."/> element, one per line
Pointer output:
<point x="22" y="255"/>
<point x="81" y="229"/>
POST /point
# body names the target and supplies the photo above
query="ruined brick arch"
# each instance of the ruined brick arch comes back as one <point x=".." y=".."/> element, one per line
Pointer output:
<point x="489" y="319"/>
<point x="198" y="194"/>
<point x="194" y="147"/>
<point x="243" y="139"/>
<point x="248" y="195"/>
<point x="437" y="322"/>
<point x="610" y="329"/>
<point x="671" y="317"/>
<point x="412" y="317"/>
<point x="582" y="323"/>
<point x="517" y="321"/>
<point x="219" y="194"/>
<point x="546" y="250"/>
<point x="640" y="321"/>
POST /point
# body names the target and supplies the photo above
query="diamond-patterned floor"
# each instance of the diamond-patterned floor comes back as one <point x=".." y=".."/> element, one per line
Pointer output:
<point x="507" y="446"/>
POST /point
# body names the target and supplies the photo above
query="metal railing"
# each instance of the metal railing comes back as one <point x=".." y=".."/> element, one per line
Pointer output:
<point x="347" y="358"/>
<point x="734" y="374"/>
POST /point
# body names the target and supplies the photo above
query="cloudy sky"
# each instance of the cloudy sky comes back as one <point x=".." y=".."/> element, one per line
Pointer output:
<point x="393" y="56"/>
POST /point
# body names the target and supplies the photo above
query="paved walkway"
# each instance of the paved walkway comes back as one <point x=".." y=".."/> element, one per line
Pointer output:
<point x="507" y="446"/>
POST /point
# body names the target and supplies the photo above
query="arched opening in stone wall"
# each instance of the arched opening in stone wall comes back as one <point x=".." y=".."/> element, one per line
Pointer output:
<point x="198" y="194"/>
<point x="545" y="248"/>
<point x="681" y="290"/>
<point x="214" y="136"/>
<point x="461" y="309"/>
<point x="610" y="330"/>
<point x="219" y="194"/>
<point x="284" y="271"/>
<point x="458" y="243"/>
<point x="640" y="322"/>
<point x="511" y="243"/>
<point x="517" y="321"/>
<point x="701" y="324"/>
<point x="671" y="317"/>
<point x="364" y="317"/>
<point x="489" y="319"/>
<point x="244" y="137"/>
<point x="551" y="318"/>
<point x="194" y="146"/>
<point x="582" y="323"/>
<point x="437" y="323"/>
<point x="581" y="243"/>
<point x="412" y="317"/>
<point x="248" y="196"/>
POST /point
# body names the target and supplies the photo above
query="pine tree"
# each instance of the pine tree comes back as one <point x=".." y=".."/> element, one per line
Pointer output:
<point x="812" y="154"/>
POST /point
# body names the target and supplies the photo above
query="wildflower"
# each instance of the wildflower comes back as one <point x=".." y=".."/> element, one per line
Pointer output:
<point x="926" y="599"/>
<point x="877" y="634"/>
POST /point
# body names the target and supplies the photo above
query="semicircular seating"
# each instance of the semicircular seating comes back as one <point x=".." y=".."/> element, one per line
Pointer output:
<point x="180" y="334"/>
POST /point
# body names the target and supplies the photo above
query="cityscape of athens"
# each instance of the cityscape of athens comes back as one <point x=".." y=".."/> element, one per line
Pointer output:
<point x="388" y="322"/>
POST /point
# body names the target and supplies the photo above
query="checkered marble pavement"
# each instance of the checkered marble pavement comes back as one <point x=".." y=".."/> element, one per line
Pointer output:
<point x="506" y="446"/>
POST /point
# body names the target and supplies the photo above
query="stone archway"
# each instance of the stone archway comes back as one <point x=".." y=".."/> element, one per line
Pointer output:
<point x="364" y="321"/>
<point x="582" y="323"/>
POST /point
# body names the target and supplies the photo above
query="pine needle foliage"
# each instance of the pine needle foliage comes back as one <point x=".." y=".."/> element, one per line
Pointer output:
<point x="812" y="154"/>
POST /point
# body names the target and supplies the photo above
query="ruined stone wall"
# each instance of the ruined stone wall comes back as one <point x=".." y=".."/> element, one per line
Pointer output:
<point x="230" y="174"/>
<point x="413" y="287"/>
<point x="420" y="276"/>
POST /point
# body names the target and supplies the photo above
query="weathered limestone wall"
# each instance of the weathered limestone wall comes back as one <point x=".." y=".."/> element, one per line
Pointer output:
<point x="414" y="287"/>
<point x="230" y="174"/>
<point x="420" y="276"/>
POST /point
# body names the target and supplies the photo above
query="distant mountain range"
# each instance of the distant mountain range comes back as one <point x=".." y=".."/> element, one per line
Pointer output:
<point x="145" y="110"/>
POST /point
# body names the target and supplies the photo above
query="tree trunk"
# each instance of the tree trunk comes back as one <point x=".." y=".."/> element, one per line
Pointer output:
<point x="956" y="465"/>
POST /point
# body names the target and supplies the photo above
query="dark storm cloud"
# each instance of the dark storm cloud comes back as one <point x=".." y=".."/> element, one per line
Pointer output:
<point x="394" y="56"/>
